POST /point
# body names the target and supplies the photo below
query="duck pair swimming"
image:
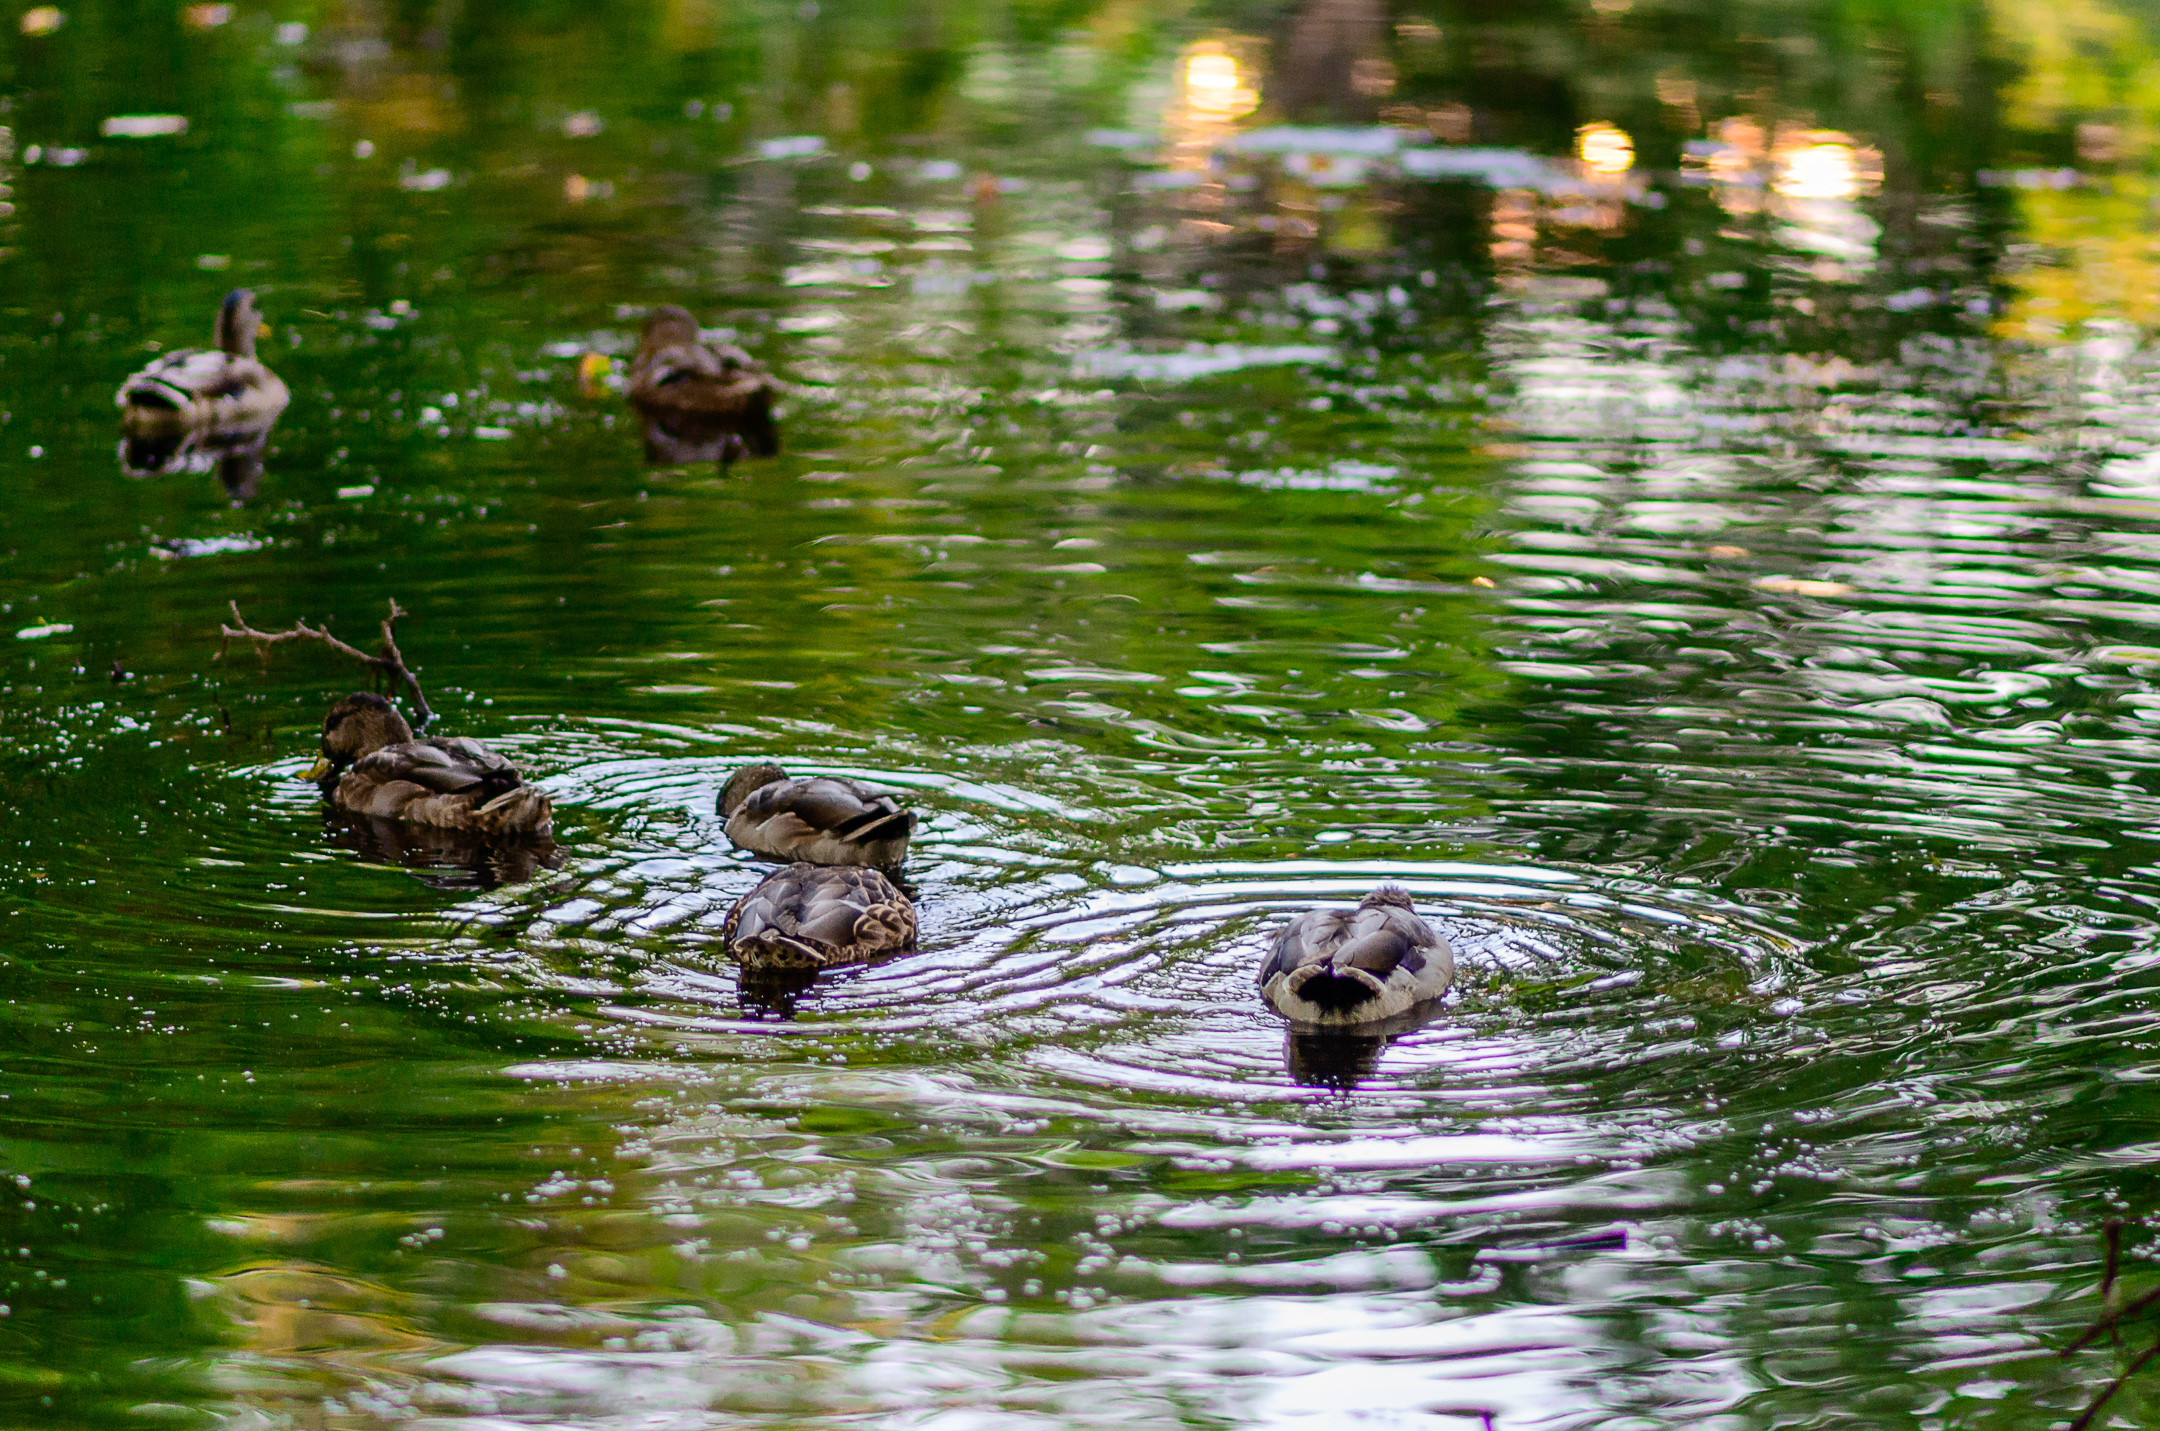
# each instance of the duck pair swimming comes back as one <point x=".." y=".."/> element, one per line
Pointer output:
<point x="831" y="906"/>
<point x="699" y="400"/>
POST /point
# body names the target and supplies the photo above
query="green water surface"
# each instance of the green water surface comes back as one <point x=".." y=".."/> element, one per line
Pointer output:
<point x="1235" y="453"/>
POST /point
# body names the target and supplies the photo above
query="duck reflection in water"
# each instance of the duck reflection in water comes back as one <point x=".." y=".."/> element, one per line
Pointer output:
<point x="443" y="859"/>
<point x="234" y="453"/>
<point x="699" y="401"/>
<point x="1338" y="1060"/>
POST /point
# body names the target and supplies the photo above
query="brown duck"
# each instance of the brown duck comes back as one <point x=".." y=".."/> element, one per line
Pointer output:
<point x="372" y="765"/>
<point x="221" y="387"/>
<point x="819" y="917"/>
<point x="1344" y="968"/>
<point x="817" y="819"/>
<point x="699" y="400"/>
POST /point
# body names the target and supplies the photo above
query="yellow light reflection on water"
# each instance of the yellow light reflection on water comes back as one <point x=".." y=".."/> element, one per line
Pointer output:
<point x="1211" y="74"/>
<point x="1215" y="88"/>
<point x="1604" y="149"/>
<point x="1818" y="171"/>
<point x="1823" y="164"/>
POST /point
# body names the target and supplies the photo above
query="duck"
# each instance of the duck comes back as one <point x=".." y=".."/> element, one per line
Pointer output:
<point x="810" y="917"/>
<point x="1343" y="969"/>
<point x="700" y="400"/>
<point x="815" y="819"/>
<point x="221" y="387"/>
<point x="372" y="765"/>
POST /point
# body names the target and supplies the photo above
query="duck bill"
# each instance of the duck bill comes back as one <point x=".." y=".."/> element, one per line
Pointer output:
<point x="317" y="772"/>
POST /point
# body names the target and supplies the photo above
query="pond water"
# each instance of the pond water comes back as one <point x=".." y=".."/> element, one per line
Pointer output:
<point x="1671" y="485"/>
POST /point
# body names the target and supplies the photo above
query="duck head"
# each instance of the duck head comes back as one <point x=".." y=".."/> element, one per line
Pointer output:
<point x="238" y="323"/>
<point x="668" y="327"/>
<point x="745" y="782"/>
<point x="359" y="725"/>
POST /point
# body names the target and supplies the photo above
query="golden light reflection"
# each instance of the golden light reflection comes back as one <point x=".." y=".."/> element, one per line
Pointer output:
<point x="1214" y="90"/>
<point x="1822" y="165"/>
<point x="1796" y="165"/>
<point x="1514" y="226"/>
<point x="1604" y="149"/>
<point x="1215" y="87"/>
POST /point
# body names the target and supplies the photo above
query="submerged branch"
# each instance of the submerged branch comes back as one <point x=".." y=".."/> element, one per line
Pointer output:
<point x="390" y="664"/>
<point x="2114" y="1386"/>
<point x="2111" y="1320"/>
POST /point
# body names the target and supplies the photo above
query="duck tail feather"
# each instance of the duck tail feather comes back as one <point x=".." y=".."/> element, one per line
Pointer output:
<point x="1333" y="990"/>
<point x="896" y="826"/>
<point x="771" y="949"/>
<point x="523" y="811"/>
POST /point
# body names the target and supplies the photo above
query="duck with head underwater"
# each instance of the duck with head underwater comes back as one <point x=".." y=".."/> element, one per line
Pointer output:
<point x="816" y="819"/>
<point x="812" y="917"/>
<point x="1350" y="968"/>
<point x="700" y="401"/>
<point x="373" y="765"/>
<point x="223" y="387"/>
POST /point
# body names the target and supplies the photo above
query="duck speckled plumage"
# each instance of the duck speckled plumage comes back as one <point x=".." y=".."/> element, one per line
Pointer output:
<point x="1343" y="968"/>
<point x="817" y="819"/>
<point x="223" y="386"/>
<point x="372" y="765"/>
<point x="700" y="400"/>
<point x="819" y="917"/>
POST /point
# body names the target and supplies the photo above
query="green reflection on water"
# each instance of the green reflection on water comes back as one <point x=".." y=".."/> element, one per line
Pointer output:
<point x="1716" y="590"/>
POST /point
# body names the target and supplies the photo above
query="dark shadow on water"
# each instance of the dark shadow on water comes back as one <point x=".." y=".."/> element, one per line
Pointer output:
<point x="772" y="993"/>
<point x="235" y="454"/>
<point x="676" y="439"/>
<point x="442" y="858"/>
<point x="1339" y="1059"/>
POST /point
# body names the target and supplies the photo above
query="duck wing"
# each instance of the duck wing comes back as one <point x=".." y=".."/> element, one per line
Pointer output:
<point x="1378" y="940"/>
<point x="1381" y="940"/>
<point x="175" y="381"/>
<point x="1311" y="938"/>
<point x="447" y="766"/>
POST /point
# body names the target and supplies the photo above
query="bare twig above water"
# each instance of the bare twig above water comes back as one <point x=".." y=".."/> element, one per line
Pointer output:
<point x="390" y="664"/>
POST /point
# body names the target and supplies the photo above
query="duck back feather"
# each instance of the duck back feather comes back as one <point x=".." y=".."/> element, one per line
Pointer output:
<point x="819" y="820"/>
<point x="819" y="917"/>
